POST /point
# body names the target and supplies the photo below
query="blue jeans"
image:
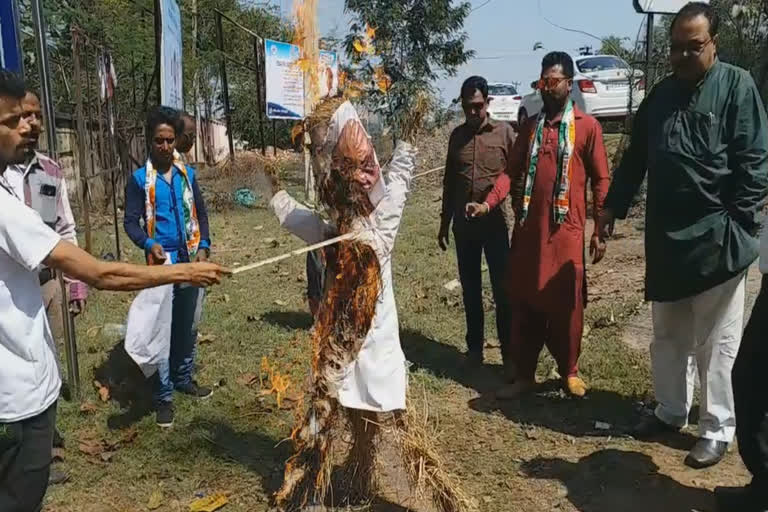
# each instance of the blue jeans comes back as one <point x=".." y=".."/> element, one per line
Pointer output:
<point x="177" y="371"/>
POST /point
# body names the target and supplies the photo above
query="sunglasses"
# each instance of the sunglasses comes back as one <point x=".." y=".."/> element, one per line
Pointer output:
<point x="550" y="83"/>
<point x="686" y="51"/>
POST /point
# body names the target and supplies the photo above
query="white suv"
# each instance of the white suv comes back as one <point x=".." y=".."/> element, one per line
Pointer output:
<point x="600" y="88"/>
<point x="504" y="102"/>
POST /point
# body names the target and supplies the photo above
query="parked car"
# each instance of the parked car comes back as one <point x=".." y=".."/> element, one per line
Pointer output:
<point x="600" y="88"/>
<point x="504" y="102"/>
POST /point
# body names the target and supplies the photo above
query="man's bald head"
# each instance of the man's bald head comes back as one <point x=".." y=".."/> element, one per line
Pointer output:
<point x="187" y="139"/>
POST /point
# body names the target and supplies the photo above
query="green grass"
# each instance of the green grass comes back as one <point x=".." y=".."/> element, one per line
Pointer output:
<point x="230" y="443"/>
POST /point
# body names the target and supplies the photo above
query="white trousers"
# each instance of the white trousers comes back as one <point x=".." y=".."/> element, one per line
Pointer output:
<point x="704" y="332"/>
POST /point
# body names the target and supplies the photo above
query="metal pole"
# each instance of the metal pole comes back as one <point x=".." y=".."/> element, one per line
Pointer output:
<point x="81" y="139"/>
<point x="225" y="84"/>
<point x="70" y="346"/>
<point x="20" y="56"/>
<point x="257" y="58"/>
<point x="43" y="68"/>
<point x="649" y="68"/>
<point x="196" y="79"/>
<point x="43" y="65"/>
<point x="274" y="138"/>
<point x="158" y="50"/>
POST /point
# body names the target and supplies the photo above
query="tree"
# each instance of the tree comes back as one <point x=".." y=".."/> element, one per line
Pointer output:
<point x="614" y="45"/>
<point x="412" y="43"/>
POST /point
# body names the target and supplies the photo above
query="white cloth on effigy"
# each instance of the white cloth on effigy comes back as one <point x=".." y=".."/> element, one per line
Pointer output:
<point x="377" y="379"/>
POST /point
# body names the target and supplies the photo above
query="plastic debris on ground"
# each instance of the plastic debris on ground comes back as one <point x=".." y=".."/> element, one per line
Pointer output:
<point x="246" y="197"/>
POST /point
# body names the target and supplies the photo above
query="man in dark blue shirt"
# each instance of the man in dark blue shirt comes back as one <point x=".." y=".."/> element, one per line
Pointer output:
<point x="165" y="215"/>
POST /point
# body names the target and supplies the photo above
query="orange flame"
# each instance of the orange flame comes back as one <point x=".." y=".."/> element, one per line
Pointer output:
<point x="306" y="36"/>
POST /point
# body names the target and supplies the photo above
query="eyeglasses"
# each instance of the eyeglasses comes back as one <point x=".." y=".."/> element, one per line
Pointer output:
<point x="550" y="83"/>
<point x="681" y="49"/>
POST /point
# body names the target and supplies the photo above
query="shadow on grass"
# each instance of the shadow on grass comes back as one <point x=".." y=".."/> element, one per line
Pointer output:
<point x="254" y="451"/>
<point x="127" y="386"/>
<point x="288" y="319"/>
<point x="602" y="413"/>
<point x="611" y="480"/>
<point x="448" y="362"/>
<point x="257" y="453"/>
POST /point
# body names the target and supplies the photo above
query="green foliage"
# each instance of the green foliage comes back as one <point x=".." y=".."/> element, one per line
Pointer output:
<point x="416" y="42"/>
<point x="126" y="29"/>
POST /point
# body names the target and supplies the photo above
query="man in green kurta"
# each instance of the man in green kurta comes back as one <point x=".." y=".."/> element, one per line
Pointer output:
<point x="701" y="135"/>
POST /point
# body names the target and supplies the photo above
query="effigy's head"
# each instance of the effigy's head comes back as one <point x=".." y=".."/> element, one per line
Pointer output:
<point x="345" y="165"/>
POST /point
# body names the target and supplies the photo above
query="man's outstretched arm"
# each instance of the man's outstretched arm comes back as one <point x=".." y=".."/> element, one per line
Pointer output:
<point x="75" y="262"/>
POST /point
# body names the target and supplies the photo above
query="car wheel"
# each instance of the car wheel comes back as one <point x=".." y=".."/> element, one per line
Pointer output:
<point x="522" y="117"/>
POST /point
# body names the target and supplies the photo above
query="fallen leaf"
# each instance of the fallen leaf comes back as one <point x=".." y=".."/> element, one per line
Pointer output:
<point x="93" y="331"/>
<point x="91" y="447"/>
<point x="281" y="303"/>
<point x="88" y="407"/>
<point x="155" y="500"/>
<point x="206" y="338"/>
<point x="258" y="228"/>
<point x="107" y="456"/>
<point x="104" y="393"/>
<point x="130" y="436"/>
<point x="209" y="503"/>
<point x="226" y="298"/>
<point x="247" y="379"/>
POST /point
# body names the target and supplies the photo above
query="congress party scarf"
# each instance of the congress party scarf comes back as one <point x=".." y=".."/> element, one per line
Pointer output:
<point x="566" y="141"/>
<point x="191" y="226"/>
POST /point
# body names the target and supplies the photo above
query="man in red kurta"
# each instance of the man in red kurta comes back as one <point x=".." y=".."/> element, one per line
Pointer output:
<point x="551" y="163"/>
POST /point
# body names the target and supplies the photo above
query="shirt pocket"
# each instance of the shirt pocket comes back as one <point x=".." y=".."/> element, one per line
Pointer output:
<point x="692" y="134"/>
<point x="43" y="195"/>
<point x="493" y="158"/>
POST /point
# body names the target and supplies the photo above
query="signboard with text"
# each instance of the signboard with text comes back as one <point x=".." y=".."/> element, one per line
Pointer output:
<point x="285" y="80"/>
<point x="171" y="77"/>
<point x="10" y="48"/>
<point x="328" y="72"/>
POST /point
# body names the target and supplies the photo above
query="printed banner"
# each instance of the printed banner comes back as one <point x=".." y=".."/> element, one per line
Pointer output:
<point x="285" y="81"/>
<point x="10" y="49"/>
<point x="329" y="74"/>
<point x="171" y="70"/>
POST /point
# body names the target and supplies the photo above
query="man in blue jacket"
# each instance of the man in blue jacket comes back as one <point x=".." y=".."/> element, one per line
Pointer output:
<point x="166" y="216"/>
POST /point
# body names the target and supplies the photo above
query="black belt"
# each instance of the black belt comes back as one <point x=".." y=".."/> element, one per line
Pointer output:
<point x="45" y="275"/>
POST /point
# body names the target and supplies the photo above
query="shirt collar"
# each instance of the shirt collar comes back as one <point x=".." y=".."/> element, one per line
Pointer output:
<point x="577" y="114"/>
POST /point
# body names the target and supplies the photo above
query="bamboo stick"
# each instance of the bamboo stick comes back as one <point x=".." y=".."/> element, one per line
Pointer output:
<point x="419" y="175"/>
<point x="310" y="248"/>
<point x="298" y="252"/>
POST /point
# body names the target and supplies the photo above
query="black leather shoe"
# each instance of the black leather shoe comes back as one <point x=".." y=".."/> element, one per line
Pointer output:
<point x="741" y="499"/>
<point x="651" y="427"/>
<point x="706" y="453"/>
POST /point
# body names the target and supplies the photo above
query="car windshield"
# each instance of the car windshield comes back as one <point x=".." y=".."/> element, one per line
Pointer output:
<point x="502" y="90"/>
<point x="593" y="64"/>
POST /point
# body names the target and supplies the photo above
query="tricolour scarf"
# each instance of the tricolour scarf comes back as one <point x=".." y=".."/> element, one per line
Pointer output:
<point x="566" y="141"/>
<point x="191" y="226"/>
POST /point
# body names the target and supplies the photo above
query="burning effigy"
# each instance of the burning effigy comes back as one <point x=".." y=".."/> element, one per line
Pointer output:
<point x="358" y="383"/>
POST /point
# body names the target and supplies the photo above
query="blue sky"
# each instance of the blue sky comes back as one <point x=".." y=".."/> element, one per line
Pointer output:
<point x="508" y="29"/>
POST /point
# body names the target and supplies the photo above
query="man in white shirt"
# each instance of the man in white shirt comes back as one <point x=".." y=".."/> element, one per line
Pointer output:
<point x="29" y="374"/>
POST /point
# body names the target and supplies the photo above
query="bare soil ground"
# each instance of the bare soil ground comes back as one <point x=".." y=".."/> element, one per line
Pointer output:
<point x="544" y="452"/>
